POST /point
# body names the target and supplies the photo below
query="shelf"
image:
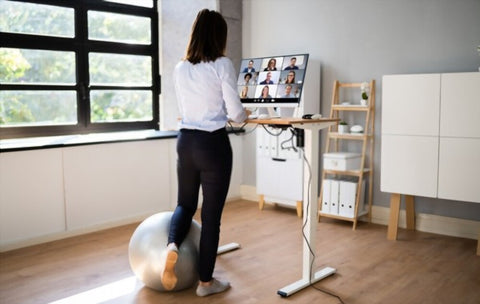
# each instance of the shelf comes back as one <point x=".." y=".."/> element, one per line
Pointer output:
<point x="341" y="217"/>
<point x="350" y="108"/>
<point x="342" y="142"/>
<point x="349" y="172"/>
<point x="352" y="136"/>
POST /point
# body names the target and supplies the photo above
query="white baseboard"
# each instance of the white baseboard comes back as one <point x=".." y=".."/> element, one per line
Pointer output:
<point x="70" y="233"/>
<point x="423" y="222"/>
<point x="431" y="223"/>
<point x="248" y="193"/>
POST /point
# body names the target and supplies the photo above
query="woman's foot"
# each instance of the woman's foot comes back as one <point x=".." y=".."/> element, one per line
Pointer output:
<point x="212" y="287"/>
<point x="168" y="276"/>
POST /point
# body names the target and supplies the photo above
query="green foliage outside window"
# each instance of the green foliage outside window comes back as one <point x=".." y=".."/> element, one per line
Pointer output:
<point x="25" y="66"/>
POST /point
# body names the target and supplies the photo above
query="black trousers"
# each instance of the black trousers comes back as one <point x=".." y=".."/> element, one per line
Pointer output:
<point x="204" y="159"/>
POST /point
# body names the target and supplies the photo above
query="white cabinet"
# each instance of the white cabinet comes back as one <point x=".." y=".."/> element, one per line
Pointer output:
<point x="410" y="104"/>
<point x="32" y="201"/>
<point x="47" y="194"/>
<point x="460" y="102"/>
<point x="459" y="169"/>
<point x="430" y="135"/>
<point x="406" y="160"/>
<point x="115" y="181"/>
<point x="279" y="167"/>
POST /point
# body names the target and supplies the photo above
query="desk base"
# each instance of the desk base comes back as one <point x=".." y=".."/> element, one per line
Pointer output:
<point x="227" y="248"/>
<point x="305" y="282"/>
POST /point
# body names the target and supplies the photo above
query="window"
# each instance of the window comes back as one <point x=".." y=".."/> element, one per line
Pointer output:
<point x="78" y="66"/>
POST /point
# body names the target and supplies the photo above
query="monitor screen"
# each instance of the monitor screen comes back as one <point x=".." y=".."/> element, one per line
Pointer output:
<point x="272" y="81"/>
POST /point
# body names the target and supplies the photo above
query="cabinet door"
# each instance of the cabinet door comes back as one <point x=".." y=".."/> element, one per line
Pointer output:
<point x="459" y="169"/>
<point x="106" y="183"/>
<point x="409" y="165"/>
<point x="460" y="105"/>
<point x="280" y="179"/>
<point x="411" y="104"/>
<point x="32" y="203"/>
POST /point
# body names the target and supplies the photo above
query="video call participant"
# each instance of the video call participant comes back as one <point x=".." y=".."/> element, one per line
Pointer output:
<point x="272" y="65"/>
<point x="290" y="77"/>
<point x="292" y="66"/>
<point x="265" y="92"/>
<point x="249" y="68"/>
<point x="268" y="79"/>
<point x="244" y="93"/>
<point x="288" y="92"/>
<point x="247" y="78"/>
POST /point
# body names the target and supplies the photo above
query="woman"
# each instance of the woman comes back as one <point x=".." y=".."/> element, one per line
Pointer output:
<point x="244" y="93"/>
<point x="272" y="65"/>
<point x="205" y="84"/>
<point x="247" y="78"/>
<point x="290" y="77"/>
<point x="265" y="92"/>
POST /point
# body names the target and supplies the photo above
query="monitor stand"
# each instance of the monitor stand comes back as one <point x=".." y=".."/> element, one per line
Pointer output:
<point x="272" y="113"/>
<point x="289" y="112"/>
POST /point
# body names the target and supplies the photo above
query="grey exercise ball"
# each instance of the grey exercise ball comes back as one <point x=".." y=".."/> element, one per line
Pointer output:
<point x="149" y="241"/>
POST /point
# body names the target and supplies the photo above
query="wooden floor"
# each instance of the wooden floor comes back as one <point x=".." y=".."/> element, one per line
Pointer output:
<point x="417" y="268"/>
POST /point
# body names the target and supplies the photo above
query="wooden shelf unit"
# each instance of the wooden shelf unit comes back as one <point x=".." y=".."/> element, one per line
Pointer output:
<point x="366" y="139"/>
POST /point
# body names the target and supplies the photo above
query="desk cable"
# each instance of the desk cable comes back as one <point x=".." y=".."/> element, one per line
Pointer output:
<point x="242" y="128"/>
<point x="303" y="231"/>
<point x="270" y="132"/>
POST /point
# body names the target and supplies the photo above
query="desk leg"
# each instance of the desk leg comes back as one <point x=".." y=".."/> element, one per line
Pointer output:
<point x="478" y="245"/>
<point x="410" y="211"/>
<point x="394" y="212"/>
<point x="227" y="248"/>
<point x="310" y="213"/>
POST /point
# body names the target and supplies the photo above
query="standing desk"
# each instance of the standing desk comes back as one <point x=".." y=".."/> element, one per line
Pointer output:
<point x="310" y="195"/>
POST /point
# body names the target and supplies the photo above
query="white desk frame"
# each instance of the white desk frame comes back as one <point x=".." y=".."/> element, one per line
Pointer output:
<point x="310" y="194"/>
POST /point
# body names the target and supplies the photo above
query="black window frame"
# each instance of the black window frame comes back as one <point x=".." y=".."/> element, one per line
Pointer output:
<point x="82" y="46"/>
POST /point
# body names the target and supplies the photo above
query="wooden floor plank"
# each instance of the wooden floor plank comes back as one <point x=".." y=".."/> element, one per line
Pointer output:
<point x="417" y="268"/>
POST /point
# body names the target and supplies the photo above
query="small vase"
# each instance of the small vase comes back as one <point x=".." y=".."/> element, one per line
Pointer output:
<point x="363" y="102"/>
<point x="342" y="129"/>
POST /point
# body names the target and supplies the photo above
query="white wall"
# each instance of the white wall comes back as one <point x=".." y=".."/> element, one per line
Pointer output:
<point x="361" y="40"/>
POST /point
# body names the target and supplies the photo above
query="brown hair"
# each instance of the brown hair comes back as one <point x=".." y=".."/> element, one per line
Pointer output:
<point x="208" y="39"/>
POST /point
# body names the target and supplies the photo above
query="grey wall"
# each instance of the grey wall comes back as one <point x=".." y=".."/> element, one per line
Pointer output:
<point x="361" y="40"/>
<point x="232" y="12"/>
<point x="176" y="19"/>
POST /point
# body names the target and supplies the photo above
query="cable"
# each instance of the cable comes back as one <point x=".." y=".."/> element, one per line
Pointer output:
<point x="248" y="132"/>
<point x="292" y="145"/>
<point x="303" y="231"/>
<point x="271" y="133"/>
<point x="242" y="127"/>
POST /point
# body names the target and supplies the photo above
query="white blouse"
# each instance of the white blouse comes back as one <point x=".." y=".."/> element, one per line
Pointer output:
<point x="206" y="94"/>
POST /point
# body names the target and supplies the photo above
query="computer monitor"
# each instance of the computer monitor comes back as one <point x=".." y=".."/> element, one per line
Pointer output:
<point x="274" y="81"/>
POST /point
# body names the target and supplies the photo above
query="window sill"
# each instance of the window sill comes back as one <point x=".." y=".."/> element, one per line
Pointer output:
<point x="49" y="142"/>
<point x="33" y="143"/>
